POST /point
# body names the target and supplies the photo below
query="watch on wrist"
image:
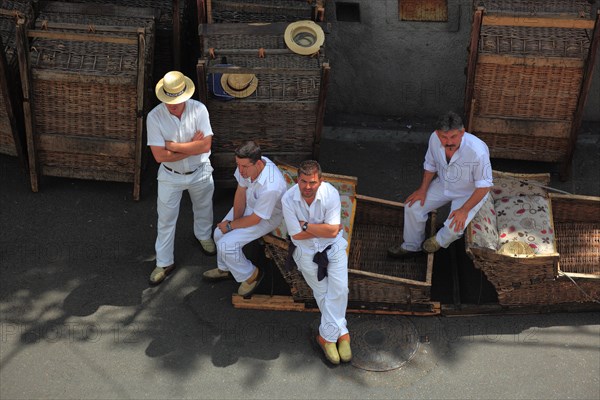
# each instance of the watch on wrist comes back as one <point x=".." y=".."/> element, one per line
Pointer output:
<point x="305" y="226"/>
<point x="229" y="228"/>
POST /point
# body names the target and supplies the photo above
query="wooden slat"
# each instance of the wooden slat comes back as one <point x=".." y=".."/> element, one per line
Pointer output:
<point x="85" y="173"/>
<point x="325" y="73"/>
<point x="264" y="70"/>
<point x="98" y="9"/>
<point x="530" y="61"/>
<point x="539" y="22"/>
<point x="81" y="37"/>
<point x="387" y="278"/>
<point x="5" y="92"/>
<point x="85" y="145"/>
<point x="286" y="303"/>
<point x="512" y="126"/>
<point x="79" y="77"/>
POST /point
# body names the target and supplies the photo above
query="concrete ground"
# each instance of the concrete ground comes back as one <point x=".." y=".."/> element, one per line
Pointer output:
<point x="78" y="319"/>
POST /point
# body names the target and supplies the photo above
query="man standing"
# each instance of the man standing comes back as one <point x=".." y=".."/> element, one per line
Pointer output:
<point x="457" y="171"/>
<point x="180" y="137"/>
<point x="256" y="211"/>
<point x="312" y="212"/>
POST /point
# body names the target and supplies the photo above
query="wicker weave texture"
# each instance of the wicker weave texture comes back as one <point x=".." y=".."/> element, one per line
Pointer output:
<point x="528" y="7"/>
<point x="86" y="166"/>
<point x="85" y="109"/>
<point x="536" y="41"/>
<point x="244" y="11"/>
<point x="281" y="127"/>
<point x="579" y="247"/>
<point x="520" y="146"/>
<point x="527" y="92"/>
<point x="559" y="291"/>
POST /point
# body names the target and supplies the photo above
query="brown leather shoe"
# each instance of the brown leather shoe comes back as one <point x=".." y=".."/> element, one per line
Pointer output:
<point x="249" y="285"/>
<point x="159" y="274"/>
<point x="398" y="252"/>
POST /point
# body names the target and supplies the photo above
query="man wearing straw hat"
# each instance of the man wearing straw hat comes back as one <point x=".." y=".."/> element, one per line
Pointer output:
<point x="312" y="213"/>
<point x="180" y="137"/>
<point x="457" y="170"/>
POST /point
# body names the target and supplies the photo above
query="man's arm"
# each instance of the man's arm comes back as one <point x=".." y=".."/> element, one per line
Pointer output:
<point x="318" y="230"/>
<point x="239" y="206"/>
<point x="163" y="155"/>
<point x="421" y="193"/>
<point x="459" y="216"/>
<point x="199" y="144"/>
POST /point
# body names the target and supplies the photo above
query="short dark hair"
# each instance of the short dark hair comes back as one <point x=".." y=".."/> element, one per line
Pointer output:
<point x="449" y="121"/>
<point x="249" y="150"/>
<point x="309" y="167"/>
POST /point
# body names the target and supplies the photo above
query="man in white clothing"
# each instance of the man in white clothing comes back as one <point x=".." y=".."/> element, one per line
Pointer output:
<point x="312" y="213"/>
<point x="457" y="170"/>
<point x="180" y="137"/>
<point x="256" y="211"/>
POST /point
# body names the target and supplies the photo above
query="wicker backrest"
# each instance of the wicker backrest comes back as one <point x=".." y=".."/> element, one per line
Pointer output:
<point x="87" y="94"/>
<point x="248" y="11"/>
<point x="284" y="113"/>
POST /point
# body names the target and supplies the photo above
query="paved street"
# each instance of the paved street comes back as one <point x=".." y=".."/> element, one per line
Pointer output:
<point x="78" y="319"/>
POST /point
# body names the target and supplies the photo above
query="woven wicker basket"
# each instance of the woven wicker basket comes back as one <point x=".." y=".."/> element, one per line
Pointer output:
<point x="374" y="279"/>
<point x="12" y="137"/>
<point x="528" y="78"/>
<point x="570" y="275"/>
<point x="88" y="85"/>
<point x="285" y="113"/>
<point x="248" y="11"/>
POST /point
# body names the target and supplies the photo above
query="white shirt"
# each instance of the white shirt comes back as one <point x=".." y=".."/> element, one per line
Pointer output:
<point x="325" y="209"/>
<point x="469" y="168"/>
<point x="263" y="196"/>
<point x="163" y="126"/>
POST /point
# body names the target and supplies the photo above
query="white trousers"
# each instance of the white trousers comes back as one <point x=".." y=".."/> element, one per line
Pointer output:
<point x="230" y="256"/>
<point x="200" y="186"/>
<point x="331" y="293"/>
<point x="415" y="217"/>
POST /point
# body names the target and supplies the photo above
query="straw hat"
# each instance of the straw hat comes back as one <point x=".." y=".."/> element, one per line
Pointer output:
<point x="304" y="37"/>
<point x="239" y="85"/>
<point x="214" y="84"/>
<point x="174" y="88"/>
<point x="515" y="248"/>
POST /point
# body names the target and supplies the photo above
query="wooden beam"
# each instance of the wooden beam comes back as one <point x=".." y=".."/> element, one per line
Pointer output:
<point x="98" y="9"/>
<point x="324" y="87"/>
<point x="24" y="68"/>
<point x="531" y="61"/>
<point x="176" y="36"/>
<point x="85" y="145"/>
<point x="472" y="62"/>
<point x="286" y="303"/>
<point x="201" y="79"/>
<point x="141" y="90"/>
<point x="7" y="91"/>
<point x="565" y="170"/>
<point x="538" y="22"/>
<point x="81" y="37"/>
<point x="515" y="126"/>
<point x="78" y="77"/>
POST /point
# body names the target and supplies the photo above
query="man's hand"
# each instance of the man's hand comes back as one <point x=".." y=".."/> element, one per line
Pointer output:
<point x="223" y="226"/>
<point x="198" y="136"/>
<point x="418" y="195"/>
<point x="458" y="217"/>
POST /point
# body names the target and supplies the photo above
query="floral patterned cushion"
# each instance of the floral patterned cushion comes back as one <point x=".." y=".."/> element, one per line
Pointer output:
<point x="510" y="187"/>
<point x="484" y="230"/>
<point x="345" y="185"/>
<point x="527" y="219"/>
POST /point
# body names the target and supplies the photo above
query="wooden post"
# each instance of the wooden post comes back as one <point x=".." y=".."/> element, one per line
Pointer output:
<point x="565" y="169"/>
<point x="23" y="56"/>
<point x="201" y="76"/>
<point x="472" y="62"/>
<point x="209" y="18"/>
<point x="7" y="90"/>
<point x="325" y="71"/>
<point x="176" y="36"/>
<point x="200" y="12"/>
<point x="141" y="88"/>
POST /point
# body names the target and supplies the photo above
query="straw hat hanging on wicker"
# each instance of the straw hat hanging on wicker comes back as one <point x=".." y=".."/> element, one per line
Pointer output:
<point x="304" y="37"/>
<point x="239" y="85"/>
<point x="174" y="88"/>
